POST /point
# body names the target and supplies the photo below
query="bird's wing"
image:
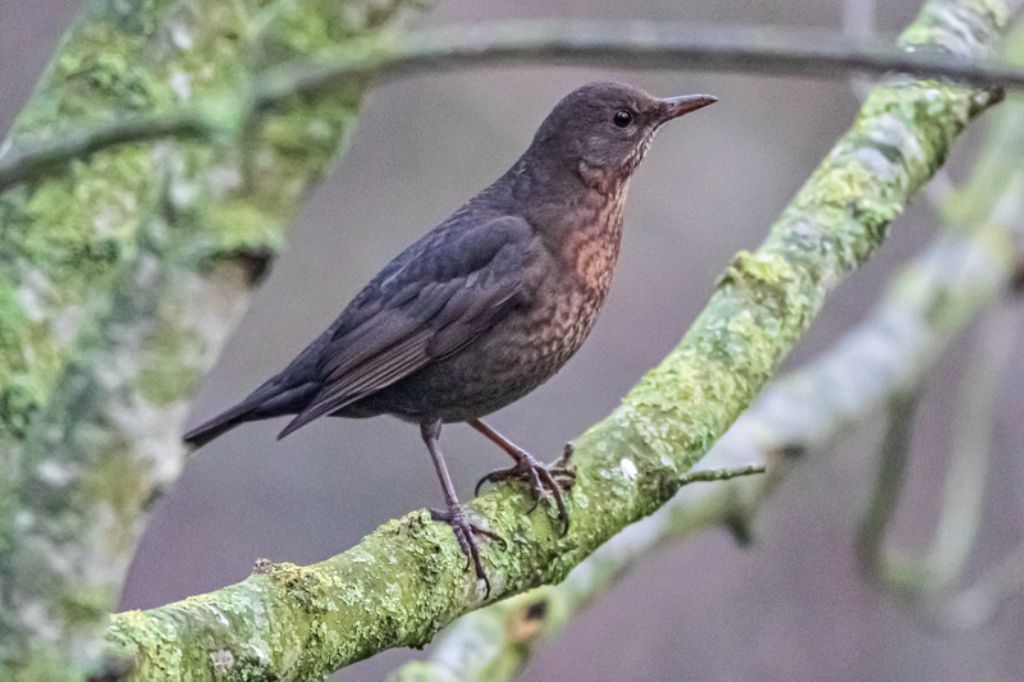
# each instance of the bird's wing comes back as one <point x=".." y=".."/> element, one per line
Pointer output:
<point x="430" y="302"/>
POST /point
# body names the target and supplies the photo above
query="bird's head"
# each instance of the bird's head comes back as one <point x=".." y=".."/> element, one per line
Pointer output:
<point x="603" y="130"/>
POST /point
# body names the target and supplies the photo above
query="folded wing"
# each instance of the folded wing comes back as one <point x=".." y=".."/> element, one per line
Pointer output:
<point x="442" y="294"/>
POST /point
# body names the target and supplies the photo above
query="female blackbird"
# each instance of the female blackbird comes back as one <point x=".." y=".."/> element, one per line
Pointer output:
<point x="489" y="304"/>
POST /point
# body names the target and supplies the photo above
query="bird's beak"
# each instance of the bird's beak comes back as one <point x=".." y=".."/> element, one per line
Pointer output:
<point x="680" y="106"/>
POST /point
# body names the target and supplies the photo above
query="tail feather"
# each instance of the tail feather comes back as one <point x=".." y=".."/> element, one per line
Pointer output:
<point x="218" y="426"/>
<point x="270" y="400"/>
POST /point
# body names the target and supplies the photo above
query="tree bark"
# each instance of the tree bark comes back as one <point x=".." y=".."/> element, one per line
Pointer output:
<point x="797" y="419"/>
<point x="121" y="275"/>
<point x="406" y="580"/>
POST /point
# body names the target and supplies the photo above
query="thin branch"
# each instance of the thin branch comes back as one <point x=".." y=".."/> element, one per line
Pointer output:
<point x="882" y="569"/>
<point x="24" y="165"/>
<point x="923" y="583"/>
<point x="725" y="474"/>
<point x="776" y="51"/>
<point x="973" y="424"/>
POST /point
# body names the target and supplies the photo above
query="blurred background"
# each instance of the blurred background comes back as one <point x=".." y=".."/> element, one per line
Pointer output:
<point x="793" y="606"/>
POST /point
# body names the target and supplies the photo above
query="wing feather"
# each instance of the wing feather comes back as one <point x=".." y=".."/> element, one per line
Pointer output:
<point x="452" y="287"/>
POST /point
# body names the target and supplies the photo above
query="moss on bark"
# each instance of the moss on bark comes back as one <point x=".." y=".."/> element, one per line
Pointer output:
<point x="406" y="580"/>
<point x="121" y="275"/>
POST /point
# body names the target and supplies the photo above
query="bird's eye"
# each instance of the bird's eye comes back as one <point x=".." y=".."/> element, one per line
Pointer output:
<point x="622" y="118"/>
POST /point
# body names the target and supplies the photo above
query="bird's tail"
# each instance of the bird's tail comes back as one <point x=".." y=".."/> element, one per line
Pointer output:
<point x="277" y="397"/>
<point x="219" y="425"/>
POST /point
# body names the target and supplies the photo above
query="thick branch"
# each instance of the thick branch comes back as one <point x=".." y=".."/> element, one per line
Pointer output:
<point x="777" y="51"/>
<point x="798" y="417"/>
<point x="121" y="275"/>
<point x="406" y="580"/>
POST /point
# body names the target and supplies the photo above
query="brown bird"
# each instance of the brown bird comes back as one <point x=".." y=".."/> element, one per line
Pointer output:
<point x="489" y="304"/>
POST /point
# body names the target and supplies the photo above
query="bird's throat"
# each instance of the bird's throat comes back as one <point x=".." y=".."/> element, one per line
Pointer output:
<point x="592" y="249"/>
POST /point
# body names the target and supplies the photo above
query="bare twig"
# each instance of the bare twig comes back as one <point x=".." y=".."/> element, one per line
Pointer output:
<point x="883" y="569"/>
<point x="777" y="51"/>
<point x="973" y="423"/>
<point x="924" y="583"/>
<point x="712" y="475"/>
<point x="22" y="165"/>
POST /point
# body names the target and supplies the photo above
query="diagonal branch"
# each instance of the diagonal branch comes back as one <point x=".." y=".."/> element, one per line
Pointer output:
<point x="799" y="417"/>
<point x="405" y="581"/>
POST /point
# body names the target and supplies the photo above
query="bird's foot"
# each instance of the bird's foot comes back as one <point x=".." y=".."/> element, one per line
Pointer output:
<point x="547" y="482"/>
<point x="466" y="532"/>
<point x="565" y="461"/>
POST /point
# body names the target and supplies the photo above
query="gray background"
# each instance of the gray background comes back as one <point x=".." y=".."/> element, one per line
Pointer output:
<point x="791" y="607"/>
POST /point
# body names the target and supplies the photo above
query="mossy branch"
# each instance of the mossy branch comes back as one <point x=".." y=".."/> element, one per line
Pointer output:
<point x="122" y="273"/>
<point x="406" y="580"/>
<point x="799" y="418"/>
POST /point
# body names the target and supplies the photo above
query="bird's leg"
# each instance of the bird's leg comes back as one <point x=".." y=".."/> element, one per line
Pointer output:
<point x="455" y="516"/>
<point x="547" y="482"/>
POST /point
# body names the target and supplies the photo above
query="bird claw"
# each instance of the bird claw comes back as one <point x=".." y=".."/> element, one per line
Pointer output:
<point x="466" y="532"/>
<point x="565" y="460"/>
<point x="547" y="483"/>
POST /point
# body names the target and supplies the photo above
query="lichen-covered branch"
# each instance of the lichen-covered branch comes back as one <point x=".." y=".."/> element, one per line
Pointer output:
<point x="406" y="580"/>
<point x="858" y="22"/>
<point x="799" y="417"/>
<point x="636" y="45"/>
<point x="120" y="276"/>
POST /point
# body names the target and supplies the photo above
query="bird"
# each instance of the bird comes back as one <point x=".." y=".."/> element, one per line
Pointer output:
<point x="487" y="305"/>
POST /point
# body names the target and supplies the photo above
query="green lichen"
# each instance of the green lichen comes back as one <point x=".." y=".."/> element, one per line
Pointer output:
<point x="118" y="483"/>
<point x="163" y="379"/>
<point x="395" y="591"/>
<point x="98" y="259"/>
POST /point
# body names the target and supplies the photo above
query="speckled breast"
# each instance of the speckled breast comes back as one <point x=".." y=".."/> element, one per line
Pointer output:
<point x="524" y="349"/>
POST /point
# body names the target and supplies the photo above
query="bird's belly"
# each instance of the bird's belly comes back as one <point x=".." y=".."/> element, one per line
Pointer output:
<point x="512" y="358"/>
